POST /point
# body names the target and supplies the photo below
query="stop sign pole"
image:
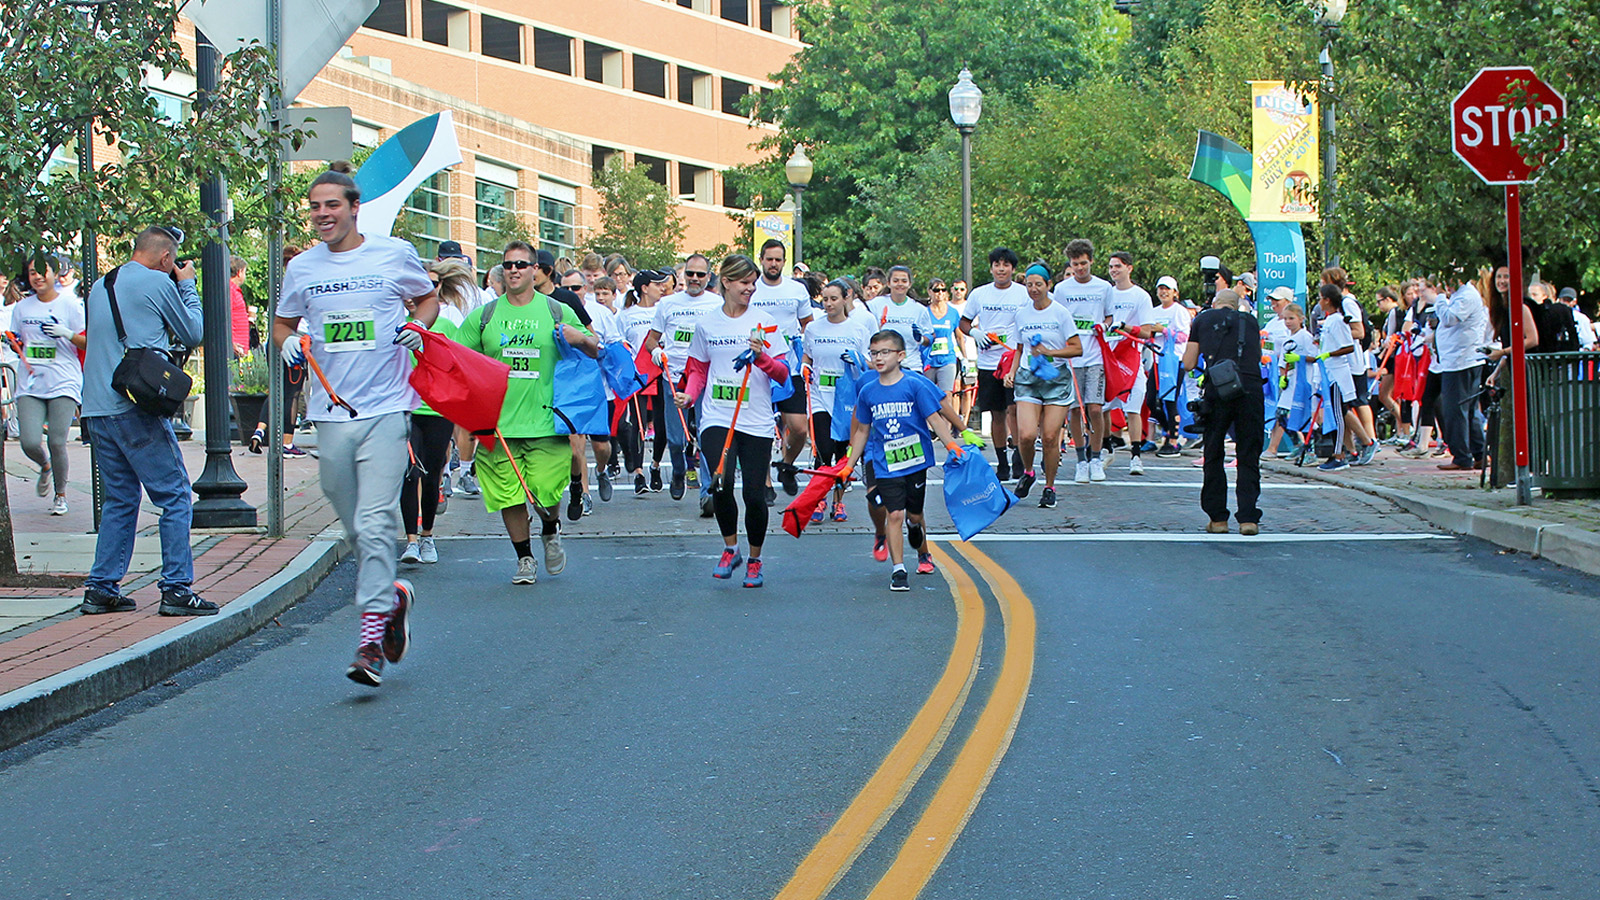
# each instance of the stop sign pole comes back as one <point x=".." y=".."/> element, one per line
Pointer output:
<point x="1484" y="129"/>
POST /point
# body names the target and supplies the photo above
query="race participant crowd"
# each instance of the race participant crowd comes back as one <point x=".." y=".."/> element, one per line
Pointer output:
<point x="725" y="373"/>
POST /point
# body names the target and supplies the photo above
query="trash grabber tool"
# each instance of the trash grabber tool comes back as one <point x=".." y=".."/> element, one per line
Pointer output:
<point x="333" y="397"/>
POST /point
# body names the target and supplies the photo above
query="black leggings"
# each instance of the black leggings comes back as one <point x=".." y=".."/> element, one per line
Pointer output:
<point x="430" y="441"/>
<point x="1430" y="398"/>
<point x="752" y="455"/>
<point x="630" y="432"/>
<point x="827" y="449"/>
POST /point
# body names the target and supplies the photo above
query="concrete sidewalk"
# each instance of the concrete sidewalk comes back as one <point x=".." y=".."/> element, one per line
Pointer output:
<point x="57" y="665"/>
<point x="1564" y="531"/>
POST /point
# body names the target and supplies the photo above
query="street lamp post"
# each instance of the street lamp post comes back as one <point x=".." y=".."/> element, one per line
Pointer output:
<point x="966" y="105"/>
<point x="799" y="171"/>
<point x="1329" y="13"/>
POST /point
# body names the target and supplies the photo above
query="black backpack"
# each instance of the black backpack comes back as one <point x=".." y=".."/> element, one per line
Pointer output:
<point x="1558" y="330"/>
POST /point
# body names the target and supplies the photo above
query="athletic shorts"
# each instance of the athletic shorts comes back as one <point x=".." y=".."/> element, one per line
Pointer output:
<point x="1056" y="392"/>
<point x="1141" y="384"/>
<point x="796" y="402"/>
<point x="906" y="492"/>
<point x="1363" y="392"/>
<point x="1092" y="382"/>
<point x="545" y="463"/>
<point x="1347" y="387"/>
<point x="611" y="412"/>
<point x="944" y="376"/>
<point x="993" y="395"/>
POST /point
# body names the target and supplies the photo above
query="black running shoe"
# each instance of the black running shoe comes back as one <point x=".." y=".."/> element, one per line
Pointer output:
<point x="181" y="601"/>
<point x="899" y="581"/>
<point x="1024" y="485"/>
<point x="655" y="479"/>
<point x="640" y="488"/>
<point x="367" y="668"/>
<point x="1047" y="500"/>
<point x="786" y="478"/>
<point x="772" y="495"/>
<point x="1002" y="466"/>
<point x="1016" y="462"/>
<point x="96" y="601"/>
<point x="677" y="485"/>
<point x="604" y="487"/>
<point x="575" y="501"/>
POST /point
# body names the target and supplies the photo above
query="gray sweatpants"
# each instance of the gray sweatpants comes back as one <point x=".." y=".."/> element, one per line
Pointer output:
<point x="363" y="464"/>
<point x="32" y="413"/>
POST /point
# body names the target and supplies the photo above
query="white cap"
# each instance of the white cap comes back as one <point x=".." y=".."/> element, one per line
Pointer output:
<point x="1167" y="281"/>
<point x="1282" y="292"/>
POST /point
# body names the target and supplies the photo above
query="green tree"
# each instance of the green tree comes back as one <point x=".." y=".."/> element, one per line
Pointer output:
<point x="638" y="217"/>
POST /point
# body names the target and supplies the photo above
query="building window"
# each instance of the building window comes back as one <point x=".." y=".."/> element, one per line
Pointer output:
<point x="730" y="195"/>
<point x="556" y="232"/>
<point x="427" y="215"/>
<point x="390" y="16"/>
<point x="776" y="18"/>
<point x="694" y="87"/>
<point x="696" y="5"/>
<point x="171" y="107"/>
<point x="445" y="25"/>
<point x="736" y="11"/>
<point x="656" y="167"/>
<point x="733" y="96"/>
<point x="502" y="39"/>
<point x="494" y="203"/>
<point x="602" y="64"/>
<point x="599" y="156"/>
<point x="694" y="183"/>
<point x="649" y="76"/>
<point x="552" y="52"/>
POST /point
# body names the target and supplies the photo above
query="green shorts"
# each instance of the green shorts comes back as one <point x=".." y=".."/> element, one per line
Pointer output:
<point x="546" y="465"/>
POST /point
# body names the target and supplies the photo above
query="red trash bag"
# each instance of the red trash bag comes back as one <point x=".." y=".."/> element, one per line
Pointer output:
<point x="797" y="515"/>
<point x="462" y="385"/>
<point x="1410" y="374"/>
<point x="1121" y="365"/>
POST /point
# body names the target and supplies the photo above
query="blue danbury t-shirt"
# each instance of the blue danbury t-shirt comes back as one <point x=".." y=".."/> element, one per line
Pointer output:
<point x="900" y="443"/>
<point x="942" y="352"/>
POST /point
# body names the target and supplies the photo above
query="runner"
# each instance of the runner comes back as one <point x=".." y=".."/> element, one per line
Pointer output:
<point x="943" y="359"/>
<point x="670" y="333"/>
<point x="826" y="342"/>
<point x="1337" y="349"/>
<point x="49" y="323"/>
<point x="519" y="329"/>
<point x="1171" y="317"/>
<point x="605" y="327"/>
<point x="1274" y="341"/>
<point x="1088" y="298"/>
<point x="989" y="319"/>
<point x="647" y="409"/>
<point x="431" y="432"/>
<point x="1296" y="345"/>
<point x="1045" y="329"/>
<point x="896" y="414"/>
<point x="1130" y="314"/>
<point x="353" y="290"/>
<point x="786" y="302"/>
<point x="734" y="391"/>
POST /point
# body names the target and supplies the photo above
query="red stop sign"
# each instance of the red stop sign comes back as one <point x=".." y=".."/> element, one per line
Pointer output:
<point x="1483" y="127"/>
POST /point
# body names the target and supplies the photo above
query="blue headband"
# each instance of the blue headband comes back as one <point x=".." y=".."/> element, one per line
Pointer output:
<point x="1039" y="269"/>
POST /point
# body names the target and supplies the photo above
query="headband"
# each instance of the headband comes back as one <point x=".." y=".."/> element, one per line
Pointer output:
<point x="1039" y="269"/>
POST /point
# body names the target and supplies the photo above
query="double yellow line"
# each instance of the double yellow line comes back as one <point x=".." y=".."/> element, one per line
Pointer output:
<point x="952" y="804"/>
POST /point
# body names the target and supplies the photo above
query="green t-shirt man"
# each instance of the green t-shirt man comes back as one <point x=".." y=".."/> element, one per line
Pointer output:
<point x="523" y="337"/>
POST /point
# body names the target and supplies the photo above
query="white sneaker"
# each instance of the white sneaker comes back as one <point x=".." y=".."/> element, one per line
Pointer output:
<point x="1081" y="474"/>
<point x="42" y="486"/>
<point x="426" y="551"/>
<point x="60" y="507"/>
<point x="526" y="571"/>
<point x="555" y="558"/>
<point x="411" y="554"/>
<point x="1097" y="470"/>
<point x="1136" y="467"/>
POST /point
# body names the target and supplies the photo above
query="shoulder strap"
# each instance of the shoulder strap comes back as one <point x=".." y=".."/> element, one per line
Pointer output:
<point x="555" y="309"/>
<point x="1238" y="325"/>
<point x="111" y="297"/>
<point x="483" y="323"/>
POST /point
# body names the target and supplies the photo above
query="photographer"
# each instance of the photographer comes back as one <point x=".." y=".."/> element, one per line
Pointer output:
<point x="136" y="449"/>
<point x="1233" y="396"/>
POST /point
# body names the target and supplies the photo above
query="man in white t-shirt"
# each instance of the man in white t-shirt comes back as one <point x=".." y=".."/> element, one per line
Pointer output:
<point x="668" y="343"/>
<point x="1088" y="298"/>
<point x="1131" y="315"/>
<point x="786" y="302"/>
<point x="352" y="291"/>
<point x="989" y="319"/>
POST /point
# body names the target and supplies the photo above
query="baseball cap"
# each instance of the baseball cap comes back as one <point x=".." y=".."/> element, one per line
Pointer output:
<point x="648" y="276"/>
<point x="451" y="250"/>
<point x="1167" y="281"/>
<point x="1567" y="294"/>
<point x="1281" y="292"/>
<point x="546" y="259"/>
<point x="1249" y="279"/>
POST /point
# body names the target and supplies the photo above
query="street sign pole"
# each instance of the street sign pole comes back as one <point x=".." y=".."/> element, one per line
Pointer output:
<point x="1519" y="358"/>
<point x="275" y="386"/>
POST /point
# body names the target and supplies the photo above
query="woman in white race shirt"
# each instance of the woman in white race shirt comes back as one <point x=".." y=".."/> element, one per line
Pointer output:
<point x="49" y="324"/>
<point x="639" y="309"/>
<point x="1042" y="403"/>
<point x="734" y="422"/>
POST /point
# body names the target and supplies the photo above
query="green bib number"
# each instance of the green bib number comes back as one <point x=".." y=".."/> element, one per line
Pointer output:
<point x="349" y="330"/>
<point x="683" y="335"/>
<point x="729" y="393"/>
<point x="902" y="453"/>
<point x="827" y="381"/>
<point x="523" y="361"/>
<point x="41" y="351"/>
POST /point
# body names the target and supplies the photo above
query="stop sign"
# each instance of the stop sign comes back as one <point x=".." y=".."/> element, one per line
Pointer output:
<point x="1483" y="127"/>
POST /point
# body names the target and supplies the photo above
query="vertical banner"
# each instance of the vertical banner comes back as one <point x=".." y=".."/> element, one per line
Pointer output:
<point x="1283" y="129"/>
<point x="775" y="224"/>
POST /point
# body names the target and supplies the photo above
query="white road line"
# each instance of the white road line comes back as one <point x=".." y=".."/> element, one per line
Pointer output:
<point x="1169" y="537"/>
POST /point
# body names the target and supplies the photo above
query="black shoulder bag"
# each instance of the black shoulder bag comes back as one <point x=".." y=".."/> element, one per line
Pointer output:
<point x="1222" y="376"/>
<point x="146" y="375"/>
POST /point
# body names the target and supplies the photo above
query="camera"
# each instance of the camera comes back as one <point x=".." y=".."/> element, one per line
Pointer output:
<point x="1210" y="266"/>
<point x="1202" y="412"/>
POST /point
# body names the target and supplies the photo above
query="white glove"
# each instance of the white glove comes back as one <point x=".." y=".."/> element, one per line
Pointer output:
<point x="982" y="340"/>
<point x="660" y="358"/>
<point x="57" y="330"/>
<point x="292" y="355"/>
<point x="408" y="338"/>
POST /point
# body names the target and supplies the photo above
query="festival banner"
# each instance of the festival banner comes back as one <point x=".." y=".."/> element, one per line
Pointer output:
<point x="775" y="224"/>
<point x="1284" y="134"/>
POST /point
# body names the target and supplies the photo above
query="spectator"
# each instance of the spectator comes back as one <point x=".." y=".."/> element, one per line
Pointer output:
<point x="1586" y="337"/>
<point x="1499" y="358"/>
<point x="135" y="449"/>
<point x="238" y="313"/>
<point x="1218" y="334"/>
<point x="494" y="284"/>
<point x="1463" y="322"/>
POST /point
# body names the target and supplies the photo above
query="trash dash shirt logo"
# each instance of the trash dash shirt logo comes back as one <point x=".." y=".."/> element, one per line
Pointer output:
<point x="356" y="284"/>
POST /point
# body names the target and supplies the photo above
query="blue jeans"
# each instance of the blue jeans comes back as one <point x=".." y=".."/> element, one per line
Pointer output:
<point x="137" y="450"/>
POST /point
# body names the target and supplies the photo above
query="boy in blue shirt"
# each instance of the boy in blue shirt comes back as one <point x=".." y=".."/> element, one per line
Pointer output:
<point x="895" y="418"/>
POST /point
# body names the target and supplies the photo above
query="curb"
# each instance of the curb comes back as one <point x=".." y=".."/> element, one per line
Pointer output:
<point x="28" y="712"/>
<point x="1567" y="545"/>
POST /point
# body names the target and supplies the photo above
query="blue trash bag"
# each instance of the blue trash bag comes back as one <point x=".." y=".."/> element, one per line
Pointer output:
<point x="973" y="494"/>
<point x="845" y="394"/>
<point x="580" y="391"/>
<point x="621" y="375"/>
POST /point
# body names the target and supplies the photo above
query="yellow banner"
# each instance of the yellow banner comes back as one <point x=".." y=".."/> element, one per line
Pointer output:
<point x="775" y="224"/>
<point x="1285" y="160"/>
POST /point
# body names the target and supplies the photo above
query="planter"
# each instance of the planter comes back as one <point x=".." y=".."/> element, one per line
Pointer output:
<point x="248" y="409"/>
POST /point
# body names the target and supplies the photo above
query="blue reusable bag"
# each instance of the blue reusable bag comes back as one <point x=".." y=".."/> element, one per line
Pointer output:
<point x="616" y="363"/>
<point x="580" y="391"/>
<point x="973" y="494"/>
<point x="844" y="398"/>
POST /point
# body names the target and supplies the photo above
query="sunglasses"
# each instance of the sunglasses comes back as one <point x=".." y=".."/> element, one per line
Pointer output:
<point x="940" y="290"/>
<point x="516" y="264"/>
<point x="688" y="274"/>
<point x="435" y="281"/>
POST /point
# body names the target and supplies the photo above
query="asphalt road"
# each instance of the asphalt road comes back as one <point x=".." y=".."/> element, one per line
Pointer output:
<point x="1357" y="708"/>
